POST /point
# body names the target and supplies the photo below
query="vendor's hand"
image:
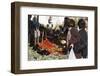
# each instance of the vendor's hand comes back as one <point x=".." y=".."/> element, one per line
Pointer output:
<point x="63" y="42"/>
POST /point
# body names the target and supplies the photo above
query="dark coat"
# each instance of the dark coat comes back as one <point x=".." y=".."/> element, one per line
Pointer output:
<point x="83" y="42"/>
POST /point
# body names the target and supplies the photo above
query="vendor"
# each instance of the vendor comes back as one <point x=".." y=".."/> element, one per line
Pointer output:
<point x="49" y="31"/>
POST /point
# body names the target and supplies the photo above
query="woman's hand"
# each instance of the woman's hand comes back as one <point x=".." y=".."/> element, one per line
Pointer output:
<point x="72" y="45"/>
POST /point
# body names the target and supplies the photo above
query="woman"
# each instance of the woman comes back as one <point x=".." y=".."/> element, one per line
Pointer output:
<point x="83" y="38"/>
<point x="73" y="38"/>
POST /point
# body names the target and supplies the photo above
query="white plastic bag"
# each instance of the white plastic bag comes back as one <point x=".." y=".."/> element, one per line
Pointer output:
<point x="71" y="54"/>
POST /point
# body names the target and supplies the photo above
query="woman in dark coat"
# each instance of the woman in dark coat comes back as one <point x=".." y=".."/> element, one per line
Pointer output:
<point x="83" y="38"/>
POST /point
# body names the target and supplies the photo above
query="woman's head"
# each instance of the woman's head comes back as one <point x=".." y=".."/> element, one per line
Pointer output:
<point x="81" y="23"/>
<point x="71" y="23"/>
